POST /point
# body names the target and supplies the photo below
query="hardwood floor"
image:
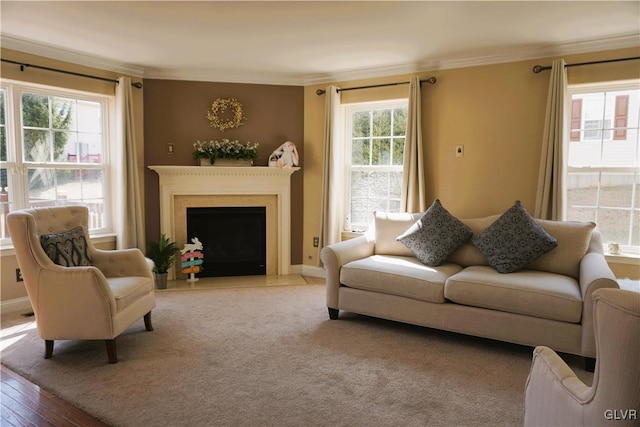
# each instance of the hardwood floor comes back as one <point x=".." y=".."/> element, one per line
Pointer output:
<point x="25" y="404"/>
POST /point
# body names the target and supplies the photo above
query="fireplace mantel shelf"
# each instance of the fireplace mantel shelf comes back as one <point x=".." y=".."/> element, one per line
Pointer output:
<point x="208" y="182"/>
<point x="167" y="170"/>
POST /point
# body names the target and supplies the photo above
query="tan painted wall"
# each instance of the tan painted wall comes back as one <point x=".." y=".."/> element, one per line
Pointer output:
<point x="495" y="111"/>
<point x="9" y="287"/>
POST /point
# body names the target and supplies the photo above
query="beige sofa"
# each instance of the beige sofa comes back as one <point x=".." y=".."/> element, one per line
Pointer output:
<point x="549" y="302"/>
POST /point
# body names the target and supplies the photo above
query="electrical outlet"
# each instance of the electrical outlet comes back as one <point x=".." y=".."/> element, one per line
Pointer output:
<point x="459" y="150"/>
<point x="316" y="242"/>
<point x="19" y="275"/>
<point x="170" y="149"/>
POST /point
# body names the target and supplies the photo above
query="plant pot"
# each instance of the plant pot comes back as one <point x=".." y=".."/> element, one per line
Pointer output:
<point x="204" y="162"/>
<point x="161" y="280"/>
<point x="233" y="162"/>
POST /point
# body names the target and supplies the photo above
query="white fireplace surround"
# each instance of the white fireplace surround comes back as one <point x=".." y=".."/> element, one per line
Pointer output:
<point x="208" y="181"/>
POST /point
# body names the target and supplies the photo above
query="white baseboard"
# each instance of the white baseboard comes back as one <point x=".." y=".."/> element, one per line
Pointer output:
<point x="313" y="271"/>
<point x="15" y="305"/>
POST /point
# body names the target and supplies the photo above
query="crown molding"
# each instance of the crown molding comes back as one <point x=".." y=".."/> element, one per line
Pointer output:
<point x="223" y="76"/>
<point x="510" y="55"/>
<point x="65" y="55"/>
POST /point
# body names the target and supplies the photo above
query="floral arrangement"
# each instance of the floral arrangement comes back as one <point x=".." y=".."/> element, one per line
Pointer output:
<point x="225" y="149"/>
<point x="217" y="117"/>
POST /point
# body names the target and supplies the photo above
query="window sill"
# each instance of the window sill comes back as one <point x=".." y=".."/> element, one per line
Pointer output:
<point x="623" y="258"/>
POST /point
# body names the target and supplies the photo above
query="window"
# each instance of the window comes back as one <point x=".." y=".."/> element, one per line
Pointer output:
<point x="53" y="151"/>
<point x="603" y="162"/>
<point x="374" y="135"/>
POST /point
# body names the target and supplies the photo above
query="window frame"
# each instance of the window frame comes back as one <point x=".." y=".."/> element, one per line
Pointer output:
<point x="347" y="110"/>
<point x="607" y="135"/>
<point x="17" y="167"/>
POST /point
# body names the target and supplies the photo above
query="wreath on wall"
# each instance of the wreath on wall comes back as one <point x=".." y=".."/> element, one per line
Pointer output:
<point x="226" y="113"/>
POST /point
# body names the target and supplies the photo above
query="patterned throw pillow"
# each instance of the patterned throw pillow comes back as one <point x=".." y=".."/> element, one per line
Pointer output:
<point x="68" y="249"/>
<point x="513" y="240"/>
<point x="435" y="235"/>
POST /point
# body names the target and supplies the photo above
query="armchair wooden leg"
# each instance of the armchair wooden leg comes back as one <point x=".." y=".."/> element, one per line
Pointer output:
<point x="48" y="349"/>
<point x="147" y="322"/>
<point x="333" y="313"/>
<point x="111" y="351"/>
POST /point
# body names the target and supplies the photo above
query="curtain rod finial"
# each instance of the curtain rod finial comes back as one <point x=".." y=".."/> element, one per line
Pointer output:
<point x="537" y="68"/>
<point x="320" y="92"/>
<point x="137" y="85"/>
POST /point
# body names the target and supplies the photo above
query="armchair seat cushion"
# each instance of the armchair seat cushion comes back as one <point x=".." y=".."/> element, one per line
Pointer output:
<point x="398" y="275"/>
<point x="127" y="290"/>
<point x="528" y="292"/>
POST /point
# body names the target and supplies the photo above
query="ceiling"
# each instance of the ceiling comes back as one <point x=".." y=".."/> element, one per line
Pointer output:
<point x="306" y="42"/>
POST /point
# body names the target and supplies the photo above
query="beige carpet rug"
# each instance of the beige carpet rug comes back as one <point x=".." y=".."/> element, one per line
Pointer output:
<point x="270" y="356"/>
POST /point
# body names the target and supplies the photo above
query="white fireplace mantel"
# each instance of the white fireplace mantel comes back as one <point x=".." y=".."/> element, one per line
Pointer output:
<point x="229" y="181"/>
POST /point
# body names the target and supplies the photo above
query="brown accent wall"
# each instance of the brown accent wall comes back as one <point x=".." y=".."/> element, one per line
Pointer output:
<point x="176" y="113"/>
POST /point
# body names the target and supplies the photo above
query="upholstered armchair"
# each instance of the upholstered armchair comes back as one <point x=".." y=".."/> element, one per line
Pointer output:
<point x="78" y="292"/>
<point x="554" y="396"/>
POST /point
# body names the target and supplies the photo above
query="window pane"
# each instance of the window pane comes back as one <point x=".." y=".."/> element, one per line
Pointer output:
<point x="399" y="121"/>
<point x="398" y="151"/>
<point x="36" y="145"/>
<point x="360" y="152"/>
<point x="381" y="153"/>
<point x="35" y="110"/>
<point x="614" y="225"/>
<point x="621" y="153"/>
<point x="381" y="123"/>
<point x="616" y="190"/>
<point x="42" y="190"/>
<point x="360" y="124"/>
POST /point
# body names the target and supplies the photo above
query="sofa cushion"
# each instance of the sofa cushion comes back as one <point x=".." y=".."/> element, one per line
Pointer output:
<point x="514" y="240"/>
<point x="68" y="249"/>
<point x="388" y="226"/>
<point x="468" y="254"/>
<point x="531" y="293"/>
<point x="573" y="243"/>
<point x="435" y="235"/>
<point x="398" y="275"/>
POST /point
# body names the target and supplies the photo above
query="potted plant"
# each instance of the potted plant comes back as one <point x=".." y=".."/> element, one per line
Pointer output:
<point x="212" y="151"/>
<point x="163" y="254"/>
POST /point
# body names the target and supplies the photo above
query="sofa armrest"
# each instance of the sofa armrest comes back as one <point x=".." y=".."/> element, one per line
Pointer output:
<point x="74" y="303"/>
<point x="554" y="395"/>
<point x="335" y="256"/>
<point x="121" y="263"/>
<point x="595" y="274"/>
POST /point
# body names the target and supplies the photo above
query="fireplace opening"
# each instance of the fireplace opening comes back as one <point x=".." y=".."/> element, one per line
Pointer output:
<point x="233" y="239"/>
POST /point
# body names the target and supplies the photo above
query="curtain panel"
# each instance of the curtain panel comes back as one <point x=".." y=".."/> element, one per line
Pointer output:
<point x="414" y="197"/>
<point x="333" y="171"/>
<point x="129" y="209"/>
<point x="550" y="178"/>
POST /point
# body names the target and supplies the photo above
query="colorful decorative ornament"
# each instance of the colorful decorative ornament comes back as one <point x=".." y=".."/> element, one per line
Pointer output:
<point x="192" y="259"/>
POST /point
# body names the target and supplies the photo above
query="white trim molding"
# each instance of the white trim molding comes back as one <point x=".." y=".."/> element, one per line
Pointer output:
<point x="178" y="181"/>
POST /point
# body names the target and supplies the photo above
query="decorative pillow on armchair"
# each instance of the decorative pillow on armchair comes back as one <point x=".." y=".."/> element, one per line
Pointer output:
<point x="513" y="240"/>
<point x="68" y="249"/>
<point x="435" y="235"/>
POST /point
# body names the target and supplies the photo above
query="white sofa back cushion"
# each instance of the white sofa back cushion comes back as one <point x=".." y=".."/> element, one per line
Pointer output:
<point x="388" y="226"/>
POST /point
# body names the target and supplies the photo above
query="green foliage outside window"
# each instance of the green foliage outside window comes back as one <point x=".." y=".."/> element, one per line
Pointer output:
<point x="42" y="116"/>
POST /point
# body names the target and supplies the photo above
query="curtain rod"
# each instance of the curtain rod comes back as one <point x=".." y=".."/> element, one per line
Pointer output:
<point x="539" y="68"/>
<point x="22" y="65"/>
<point x="430" y="80"/>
